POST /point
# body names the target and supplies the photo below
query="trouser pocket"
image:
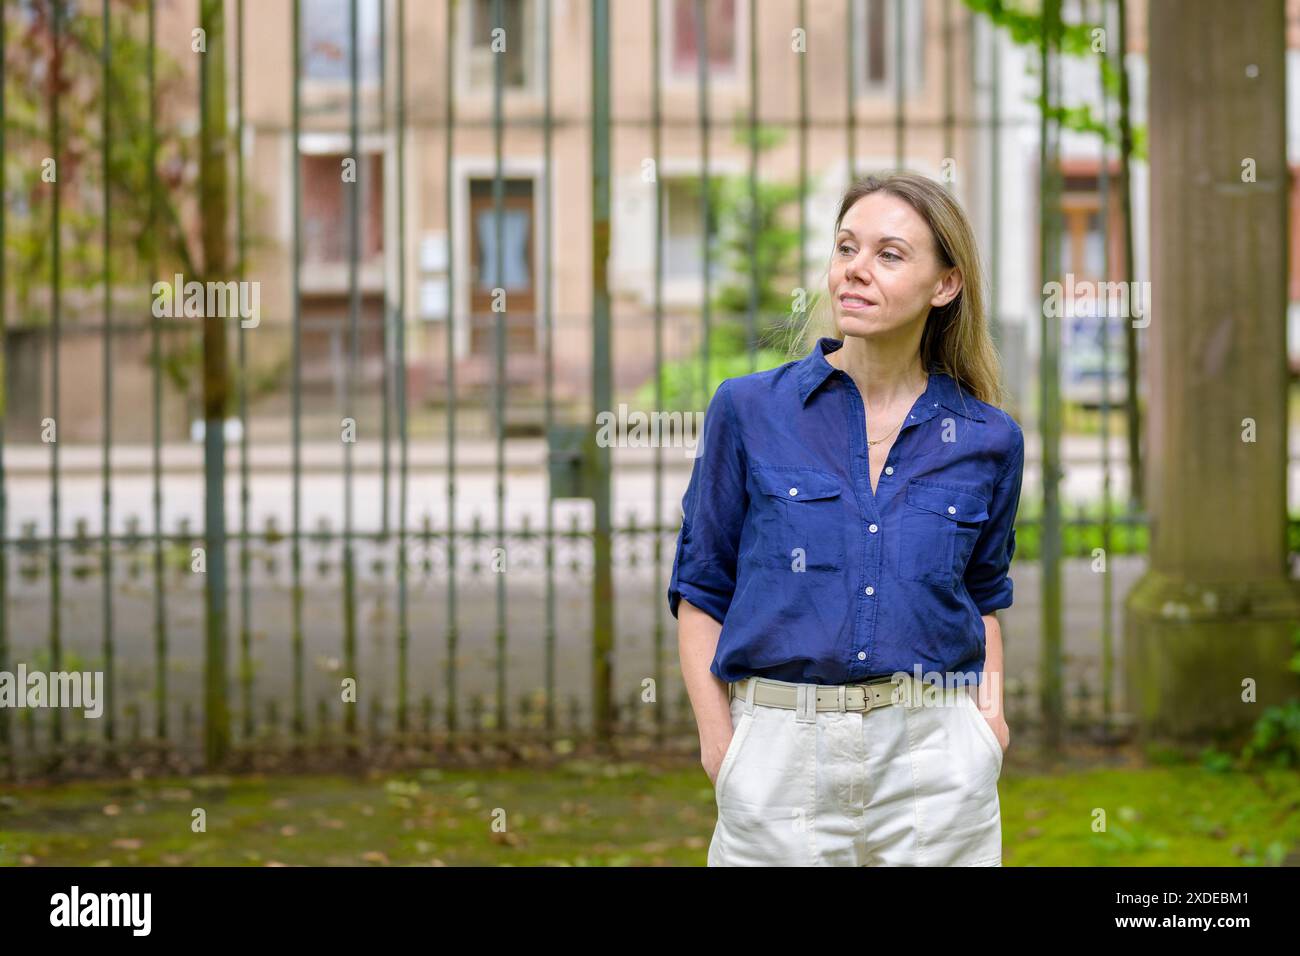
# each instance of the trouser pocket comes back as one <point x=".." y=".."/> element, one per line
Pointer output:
<point x="740" y="722"/>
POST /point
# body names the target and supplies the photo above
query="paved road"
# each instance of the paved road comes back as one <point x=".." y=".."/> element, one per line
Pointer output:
<point x="28" y="485"/>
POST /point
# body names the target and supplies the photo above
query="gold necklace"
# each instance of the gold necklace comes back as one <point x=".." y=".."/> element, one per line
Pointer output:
<point x="887" y="434"/>
<point x="900" y="421"/>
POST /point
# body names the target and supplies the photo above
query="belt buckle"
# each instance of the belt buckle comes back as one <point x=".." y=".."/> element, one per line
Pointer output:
<point x="868" y="703"/>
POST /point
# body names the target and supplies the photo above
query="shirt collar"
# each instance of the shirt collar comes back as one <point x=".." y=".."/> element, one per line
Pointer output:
<point x="813" y="370"/>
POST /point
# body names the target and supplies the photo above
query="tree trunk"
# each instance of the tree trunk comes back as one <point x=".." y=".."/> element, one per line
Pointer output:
<point x="1209" y="626"/>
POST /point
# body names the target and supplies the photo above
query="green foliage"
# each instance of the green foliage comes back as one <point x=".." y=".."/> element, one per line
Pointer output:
<point x="1264" y="853"/>
<point x="1275" y="740"/>
<point x="1217" y="761"/>
<point x="70" y="659"/>
<point x="728" y="358"/>
<point x="146" y="224"/>
<point x="1025" y="27"/>
<point x="32" y="58"/>
<point x="1081" y="530"/>
<point x="757" y="244"/>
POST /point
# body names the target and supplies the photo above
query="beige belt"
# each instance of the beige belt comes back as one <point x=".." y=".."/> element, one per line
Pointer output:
<point x="875" y="693"/>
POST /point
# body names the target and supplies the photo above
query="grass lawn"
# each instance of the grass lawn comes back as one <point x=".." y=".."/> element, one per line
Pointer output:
<point x="589" y="813"/>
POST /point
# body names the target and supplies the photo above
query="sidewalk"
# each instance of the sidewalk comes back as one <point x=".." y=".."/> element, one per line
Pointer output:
<point x="472" y="454"/>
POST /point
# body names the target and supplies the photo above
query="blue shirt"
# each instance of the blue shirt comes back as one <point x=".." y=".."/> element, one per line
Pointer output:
<point x="815" y="578"/>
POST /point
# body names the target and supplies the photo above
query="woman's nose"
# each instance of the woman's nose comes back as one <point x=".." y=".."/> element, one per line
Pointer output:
<point x="857" y="271"/>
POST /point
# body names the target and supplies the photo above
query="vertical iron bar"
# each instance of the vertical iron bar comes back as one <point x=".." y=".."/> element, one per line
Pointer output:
<point x="851" y="89"/>
<point x="453" y="635"/>
<point x="214" y="212"/>
<point x="602" y="609"/>
<point x="656" y="139"/>
<point x="702" y="68"/>
<point x="1107" y="580"/>
<point x="403" y="623"/>
<point x="56" y="595"/>
<point x="900" y="122"/>
<point x="385" y="376"/>
<point x="106" y="542"/>
<point x="949" y="120"/>
<point x="995" y="199"/>
<point x="995" y="186"/>
<point x="548" y="325"/>
<point x="803" y="166"/>
<point x="350" y="402"/>
<point x="499" y="367"/>
<point x="299" y="706"/>
<point x="1049" y="383"/>
<point x="755" y="217"/>
<point x="1137" y="470"/>
<point x="245" y="494"/>
<point x="155" y="336"/>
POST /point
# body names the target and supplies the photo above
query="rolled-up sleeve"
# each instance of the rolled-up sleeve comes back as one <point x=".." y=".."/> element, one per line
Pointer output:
<point x="988" y="579"/>
<point x="713" y="513"/>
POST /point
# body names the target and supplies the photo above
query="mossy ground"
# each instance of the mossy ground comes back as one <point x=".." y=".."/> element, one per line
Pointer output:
<point x="600" y="813"/>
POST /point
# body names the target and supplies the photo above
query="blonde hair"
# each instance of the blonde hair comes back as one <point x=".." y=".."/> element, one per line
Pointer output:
<point x="956" y="339"/>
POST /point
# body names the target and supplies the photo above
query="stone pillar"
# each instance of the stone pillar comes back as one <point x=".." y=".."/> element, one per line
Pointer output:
<point x="1216" y="607"/>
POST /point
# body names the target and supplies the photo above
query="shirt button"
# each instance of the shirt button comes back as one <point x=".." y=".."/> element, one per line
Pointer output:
<point x="862" y="655"/>
<point x="870" y="589"/>
<point x="871" y="528"/>
<point x="952" y="510"/>
<point x="793" y="492"/>
<point x="889" y="469"/>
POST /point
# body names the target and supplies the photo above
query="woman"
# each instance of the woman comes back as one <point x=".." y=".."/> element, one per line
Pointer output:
<point x="845" y="545"/>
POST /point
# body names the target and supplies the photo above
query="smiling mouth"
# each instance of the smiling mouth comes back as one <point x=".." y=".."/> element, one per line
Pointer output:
<point x="854" y="302"/>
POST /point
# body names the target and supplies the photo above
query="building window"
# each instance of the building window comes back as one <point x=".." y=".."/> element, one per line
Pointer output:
<point x="518" y="276"/>
<point x="516" y="46"/>
<point x="683" y="225"/>
<point x="877" y="45"/>
<point x="1094" y="325"/>
<point x="325" y="236"/>
<point x="327" y="41"/>
<point x="1082" y="252"/>
<point x="684" y="46"/>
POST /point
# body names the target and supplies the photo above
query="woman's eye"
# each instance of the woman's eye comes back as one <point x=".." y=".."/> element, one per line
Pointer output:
<point x="844" y="246"/>
<point x="891" y="255"/>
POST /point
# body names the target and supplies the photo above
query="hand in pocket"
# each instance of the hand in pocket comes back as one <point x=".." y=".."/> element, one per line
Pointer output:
<point x="712" y="755"/>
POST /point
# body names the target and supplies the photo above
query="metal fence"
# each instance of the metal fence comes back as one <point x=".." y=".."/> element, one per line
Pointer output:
<point x="444" y="646"/>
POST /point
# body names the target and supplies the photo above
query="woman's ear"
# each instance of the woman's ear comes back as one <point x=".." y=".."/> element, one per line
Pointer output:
<point x="947" y="288"/>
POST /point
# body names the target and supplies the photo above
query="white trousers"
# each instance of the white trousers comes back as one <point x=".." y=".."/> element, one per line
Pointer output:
<point x="908" y="784"/>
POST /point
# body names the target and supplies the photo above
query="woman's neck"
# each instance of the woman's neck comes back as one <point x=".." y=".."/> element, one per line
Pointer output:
<point x="884" y="376"/>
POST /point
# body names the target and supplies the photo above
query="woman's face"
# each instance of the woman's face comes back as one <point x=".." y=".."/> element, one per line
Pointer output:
<point x="885" y="273"/>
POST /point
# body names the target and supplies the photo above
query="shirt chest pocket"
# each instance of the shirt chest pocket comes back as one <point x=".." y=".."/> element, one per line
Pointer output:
<point x="799" y="518"/>
<point x="938" y="532"/>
